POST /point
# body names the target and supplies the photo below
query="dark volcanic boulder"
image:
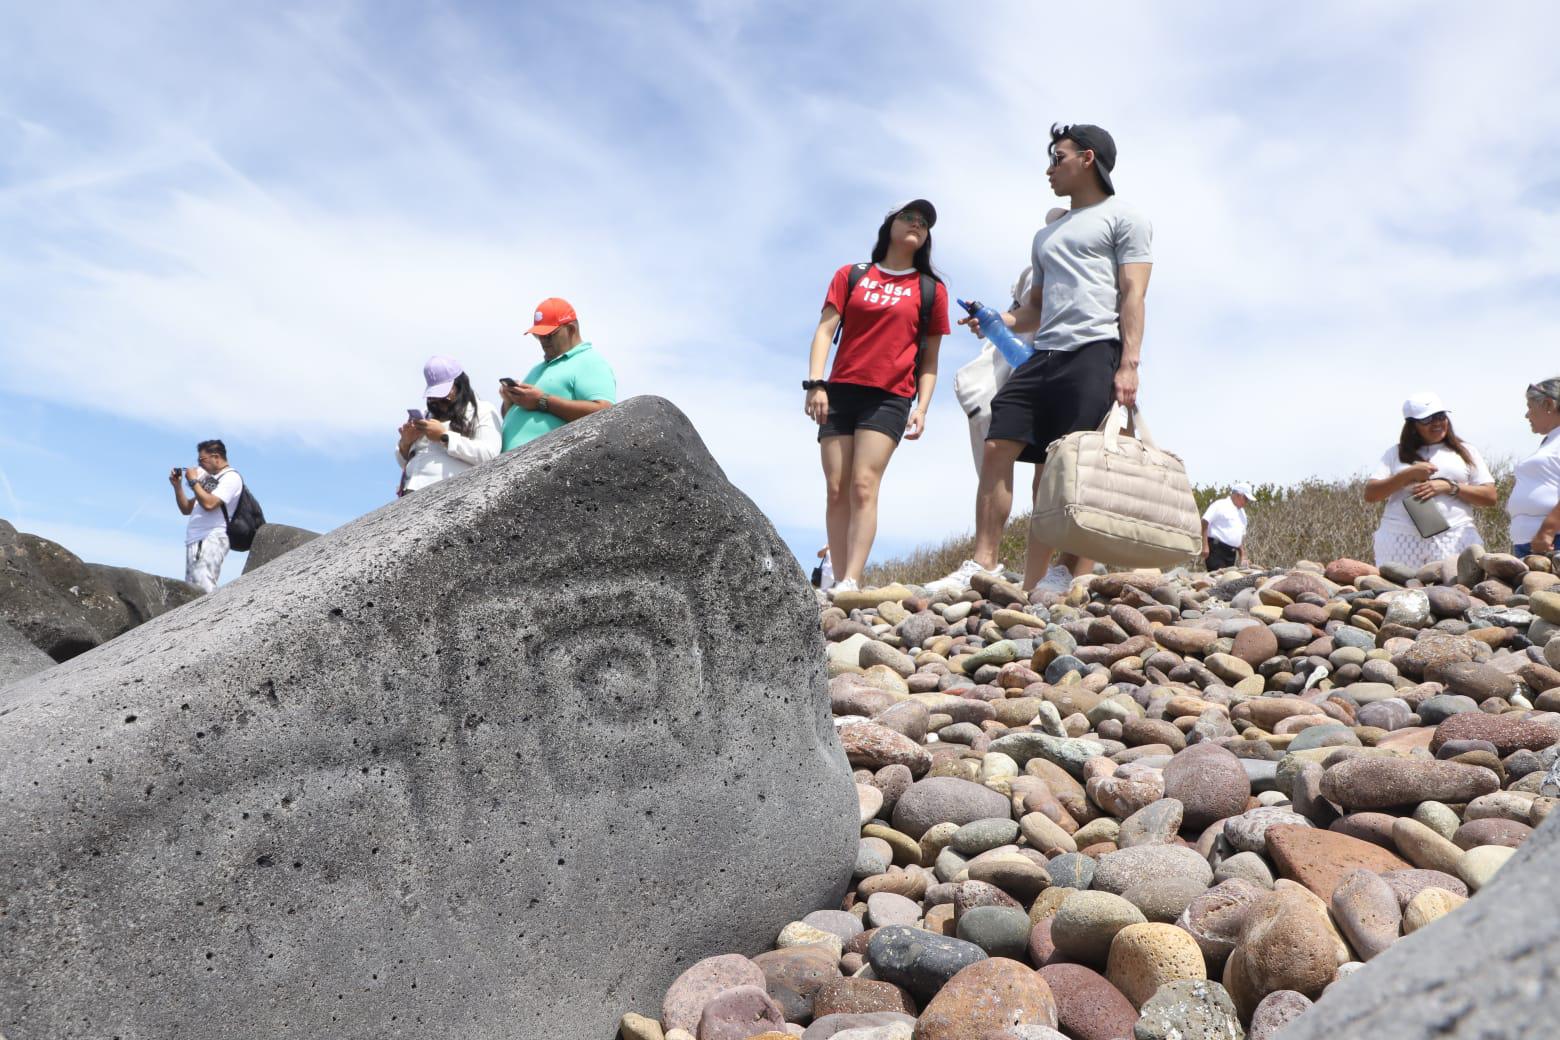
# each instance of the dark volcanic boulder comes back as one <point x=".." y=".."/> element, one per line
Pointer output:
<point x="499" y="759"/>
<point x="272" y="540"/>
<point x="66" y="607"/>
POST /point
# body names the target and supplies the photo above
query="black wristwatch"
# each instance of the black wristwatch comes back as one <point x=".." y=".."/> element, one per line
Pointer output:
<point x="814" y="384"/>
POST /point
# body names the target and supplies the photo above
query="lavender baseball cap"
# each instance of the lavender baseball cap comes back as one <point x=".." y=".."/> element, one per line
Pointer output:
<point x="440" y="373"/>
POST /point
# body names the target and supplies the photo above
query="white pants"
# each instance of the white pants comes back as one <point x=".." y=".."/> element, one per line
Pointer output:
<point x="1410" y="550"/>
<point x="203" y="559"/>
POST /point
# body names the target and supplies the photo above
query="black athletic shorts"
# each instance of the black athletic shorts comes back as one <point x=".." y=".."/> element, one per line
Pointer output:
<point x="1053" y="394"/>
<point x="853" y="407"/>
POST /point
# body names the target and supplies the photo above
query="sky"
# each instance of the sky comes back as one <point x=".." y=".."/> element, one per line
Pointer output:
<point x="256" y="222"/>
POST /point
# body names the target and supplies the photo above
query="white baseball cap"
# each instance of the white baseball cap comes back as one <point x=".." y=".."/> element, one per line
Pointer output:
<point x="1243" y="489"/>
<point x="1420" y="405"/>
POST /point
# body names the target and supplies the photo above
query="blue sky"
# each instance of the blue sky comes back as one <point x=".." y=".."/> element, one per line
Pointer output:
<point x="256" y="222"/>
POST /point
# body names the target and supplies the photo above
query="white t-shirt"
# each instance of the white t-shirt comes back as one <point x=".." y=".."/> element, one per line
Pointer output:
<point x="1226" y="522"/>
<point x="433" y="461"/>
<point x="1449" y="466"/>
<point x="226" y="485"/>
<point x="1075" y="260"/>
<point x="1536" y="490"/>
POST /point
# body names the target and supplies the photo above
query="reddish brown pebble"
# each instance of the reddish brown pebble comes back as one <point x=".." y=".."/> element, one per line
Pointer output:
<point x="1087" y="1005"/>
<point x="984" y="997"/>
<point x="1320" y="859"/>
<point x="859" y="996"/>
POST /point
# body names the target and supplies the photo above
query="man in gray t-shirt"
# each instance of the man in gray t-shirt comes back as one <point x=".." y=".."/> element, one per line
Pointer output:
<point x="1091" y="272"/>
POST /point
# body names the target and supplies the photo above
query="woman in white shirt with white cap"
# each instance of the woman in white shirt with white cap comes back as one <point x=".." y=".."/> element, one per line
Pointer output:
<point x="1430" y="464"/>
<point x="1534" y="505"/>
<point x="459" y="430"/>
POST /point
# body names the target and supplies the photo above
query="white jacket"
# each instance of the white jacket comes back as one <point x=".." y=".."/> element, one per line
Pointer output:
<point x="433" y="461"/>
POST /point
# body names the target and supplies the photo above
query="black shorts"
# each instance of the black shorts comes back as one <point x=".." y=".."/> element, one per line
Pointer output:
<point x="853" y="407"/>
<point x="1053" y="394"/>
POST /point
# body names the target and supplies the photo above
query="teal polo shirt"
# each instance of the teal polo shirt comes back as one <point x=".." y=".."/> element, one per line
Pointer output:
<point x="579" y="375"/>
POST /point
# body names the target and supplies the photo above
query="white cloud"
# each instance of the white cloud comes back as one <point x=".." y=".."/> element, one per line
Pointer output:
<point x="300" y="207"/>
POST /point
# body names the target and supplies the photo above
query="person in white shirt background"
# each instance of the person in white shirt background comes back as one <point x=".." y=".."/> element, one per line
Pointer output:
<point x="1534" y="505"/>
<point x="1224" y="529"/>
<point x="459" y="430"/>
<point x="1431" y="464"/>
<point x="214" y="489"/>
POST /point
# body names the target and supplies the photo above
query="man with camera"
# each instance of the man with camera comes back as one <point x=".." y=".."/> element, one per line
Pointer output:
<point x="214" y="489"/>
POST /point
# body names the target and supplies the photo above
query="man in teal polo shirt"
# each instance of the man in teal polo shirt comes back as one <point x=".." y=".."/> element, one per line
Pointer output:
<point x="571" y="382"/>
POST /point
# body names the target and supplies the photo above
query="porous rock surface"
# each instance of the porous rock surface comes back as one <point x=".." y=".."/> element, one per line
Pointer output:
<point x="18" y="657"/>
<point x="449" y="770"/>
<point x="1489" y="969"/>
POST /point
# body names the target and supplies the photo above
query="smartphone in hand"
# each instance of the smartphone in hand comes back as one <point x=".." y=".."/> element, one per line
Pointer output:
<point x="414" y="415"/>
<point x="509" y="382"/>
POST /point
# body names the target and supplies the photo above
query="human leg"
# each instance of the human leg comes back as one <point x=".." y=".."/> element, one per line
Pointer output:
<point x="870" y="456"/>
<point x="837" y="453"/>
<point x="994" y="499"/>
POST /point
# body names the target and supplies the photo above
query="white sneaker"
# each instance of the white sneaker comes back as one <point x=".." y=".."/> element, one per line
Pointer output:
<point x="1058" y="579"/>
<point x="846" y="585"/>
<point x="958" y="583"/>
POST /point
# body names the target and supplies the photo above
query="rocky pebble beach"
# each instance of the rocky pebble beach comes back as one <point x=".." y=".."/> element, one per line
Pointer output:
<point x="1161" y="805"/>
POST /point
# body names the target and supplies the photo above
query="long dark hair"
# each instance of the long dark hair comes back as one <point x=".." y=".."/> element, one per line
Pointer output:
<point x="463" y="408"/>
<point x="1409" y="443"/>
<point x="922" y="261"/>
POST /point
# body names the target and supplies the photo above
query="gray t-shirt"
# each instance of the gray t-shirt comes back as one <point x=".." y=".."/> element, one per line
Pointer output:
<point x="1075" y="261"/>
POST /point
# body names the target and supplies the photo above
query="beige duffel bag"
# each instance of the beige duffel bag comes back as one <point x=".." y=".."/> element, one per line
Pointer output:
<point x="1112" y="496"/>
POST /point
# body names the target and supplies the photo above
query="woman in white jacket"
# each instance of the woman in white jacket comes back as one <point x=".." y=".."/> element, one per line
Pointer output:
<point x="458" y="432"/>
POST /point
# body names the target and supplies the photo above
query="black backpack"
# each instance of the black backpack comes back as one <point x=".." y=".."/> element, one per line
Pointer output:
<point x="246" y="519"/>
<point x="924" y="321"/>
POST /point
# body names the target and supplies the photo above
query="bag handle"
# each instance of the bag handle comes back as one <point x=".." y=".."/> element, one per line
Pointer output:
<point x="1120" y="419"/>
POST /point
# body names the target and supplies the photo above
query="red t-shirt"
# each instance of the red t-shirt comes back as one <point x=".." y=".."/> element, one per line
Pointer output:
<point x="878" y="345"/>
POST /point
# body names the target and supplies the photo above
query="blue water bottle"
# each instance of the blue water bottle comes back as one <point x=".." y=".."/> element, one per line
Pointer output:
<point x="994" y="329"/>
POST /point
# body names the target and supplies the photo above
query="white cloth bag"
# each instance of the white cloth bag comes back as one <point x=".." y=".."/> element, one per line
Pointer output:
<point x="974" y="385"/>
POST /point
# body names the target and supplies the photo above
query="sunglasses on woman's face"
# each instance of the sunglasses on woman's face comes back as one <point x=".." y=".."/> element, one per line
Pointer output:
<point x="1427" y="420"/>
<point x="913" y="219"/>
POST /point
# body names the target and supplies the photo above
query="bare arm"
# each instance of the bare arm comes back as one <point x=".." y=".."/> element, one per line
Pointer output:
<point x="1544" y="540"/>
<point x="817" y="402"/>
<point x="1133" y="279"/>
<point x="1478" y="495"/>
<point x="570" y="410"/>
<point x="925" y="380"/>
<point x="206" y="499"/>
<point x="1384" y="488"/>
<point x="823" y="339"/>
<point x="185" y="503"/>
<point x="1026" y="317"/>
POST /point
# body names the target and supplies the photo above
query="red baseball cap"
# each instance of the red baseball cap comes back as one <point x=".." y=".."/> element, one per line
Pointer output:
<point x="551" y="313"/>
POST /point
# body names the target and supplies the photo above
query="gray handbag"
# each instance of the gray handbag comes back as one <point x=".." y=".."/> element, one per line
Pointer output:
<point x="1428" y="519"/>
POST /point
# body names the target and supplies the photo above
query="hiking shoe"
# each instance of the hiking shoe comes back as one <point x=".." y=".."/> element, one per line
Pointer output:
<point x="958" y="583"/>
<point x="1058" y="579"/>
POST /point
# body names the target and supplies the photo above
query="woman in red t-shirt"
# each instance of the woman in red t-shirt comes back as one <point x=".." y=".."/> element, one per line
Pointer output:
<point x="880" y="368"/>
